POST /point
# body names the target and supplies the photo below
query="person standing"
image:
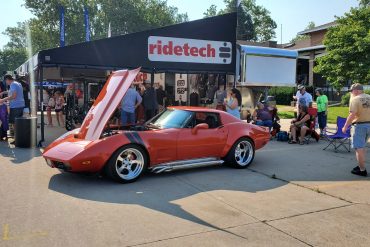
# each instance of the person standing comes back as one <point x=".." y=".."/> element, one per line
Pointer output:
<point x="322" y="110"/>
<point x="234" y="103"/>
<point x="59" y="103"/>
<point x="4" y="125"/>
<point x="130" y="102"/>
<point x="149" y="101"/>
<point x="15" y="98"/>
<point x="303" y="97"/>
<point x="359" y="117"/>
<point x="161" y="96"/>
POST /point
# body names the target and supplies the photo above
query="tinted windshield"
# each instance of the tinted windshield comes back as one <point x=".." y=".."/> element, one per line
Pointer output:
<point x="172" y="119"/>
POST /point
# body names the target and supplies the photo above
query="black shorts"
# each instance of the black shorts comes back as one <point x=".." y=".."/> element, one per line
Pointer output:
<point x="14" y="113"/>
<point x="58" y="110"/>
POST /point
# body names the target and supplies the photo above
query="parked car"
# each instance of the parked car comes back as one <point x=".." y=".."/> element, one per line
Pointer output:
<point x="178" y="138"/>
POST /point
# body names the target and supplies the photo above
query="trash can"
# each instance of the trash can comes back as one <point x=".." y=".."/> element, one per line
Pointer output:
<point x="25" y="132"/>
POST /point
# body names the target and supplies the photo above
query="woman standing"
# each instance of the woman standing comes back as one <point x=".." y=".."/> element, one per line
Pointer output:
<point x="234" y="103"/>
<point x="59" y="103"/>
<point x="322" y="110"/>
<point x="51" y="105"/>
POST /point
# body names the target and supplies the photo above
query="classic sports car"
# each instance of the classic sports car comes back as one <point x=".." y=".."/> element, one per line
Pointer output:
<point x="178" y="138"/>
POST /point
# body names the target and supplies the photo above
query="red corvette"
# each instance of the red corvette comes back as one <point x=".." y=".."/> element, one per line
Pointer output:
<point x="178" y="138"/>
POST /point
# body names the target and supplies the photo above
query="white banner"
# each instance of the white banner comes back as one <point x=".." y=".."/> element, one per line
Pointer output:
<point x="168" y="49"/>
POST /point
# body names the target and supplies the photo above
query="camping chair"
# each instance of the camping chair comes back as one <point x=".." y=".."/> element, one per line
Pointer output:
<point x="311" y="132"/>
<point x="339" y="139"/>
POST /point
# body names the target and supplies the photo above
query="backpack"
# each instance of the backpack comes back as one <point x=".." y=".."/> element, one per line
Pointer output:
<point x="282" y="136"/>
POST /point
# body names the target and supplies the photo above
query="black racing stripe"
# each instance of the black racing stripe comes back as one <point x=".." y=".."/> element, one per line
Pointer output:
<point x="138" y="138"/>
<point x="130" y="137"/>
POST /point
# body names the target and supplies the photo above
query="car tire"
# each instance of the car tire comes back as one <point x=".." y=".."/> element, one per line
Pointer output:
<point x="241" y="153"/>
<point x="127" y="164"/>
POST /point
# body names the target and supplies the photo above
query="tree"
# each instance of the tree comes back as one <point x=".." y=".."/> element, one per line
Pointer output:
<point x="211" y="11"/>
<point x="310" y="25"/>
<point x="348" y="49"/>
<point x="263" y="25"/>
<point x="245" y="29"/>
<point x="125" y="16"/>
<point x="12" y="58"/>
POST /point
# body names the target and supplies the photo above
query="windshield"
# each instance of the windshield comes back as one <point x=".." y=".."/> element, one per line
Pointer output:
<point x="172" y="119"/>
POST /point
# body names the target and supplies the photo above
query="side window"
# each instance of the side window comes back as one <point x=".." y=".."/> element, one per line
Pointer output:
<point x="210" y="118"/>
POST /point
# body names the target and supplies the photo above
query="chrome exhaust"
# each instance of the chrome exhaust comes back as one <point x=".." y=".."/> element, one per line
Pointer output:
<point x="185" y="164"/>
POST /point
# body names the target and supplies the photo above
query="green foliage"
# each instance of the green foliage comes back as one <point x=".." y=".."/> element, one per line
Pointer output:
<point x="347" y="97"/>
<point x="286" y="114"/>
<point x="348" y="49"/>
<point x="255" y="22"/>
<point x="125" y="16"/>
<point x="245" y="29"/>
<point x="211" y="11"/>
<point x="310" y="25"/>
<point x="12" y="58"/>
<point x="283" y="95"/>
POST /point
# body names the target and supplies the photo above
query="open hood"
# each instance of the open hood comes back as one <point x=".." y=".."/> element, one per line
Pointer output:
<point x="106" y="103"/>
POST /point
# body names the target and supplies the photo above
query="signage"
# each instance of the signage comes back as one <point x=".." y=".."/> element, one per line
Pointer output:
<point x="181" y="85"/>
<point x="168" y="49"/>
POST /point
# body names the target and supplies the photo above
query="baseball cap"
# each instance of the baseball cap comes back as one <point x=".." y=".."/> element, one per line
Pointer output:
<point x="300" y="87"/>
<point x="8" y="77"/>
<point x="356" y="86"/>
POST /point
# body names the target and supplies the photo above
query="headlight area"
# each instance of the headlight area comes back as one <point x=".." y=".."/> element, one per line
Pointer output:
<point x="58" y="164"/>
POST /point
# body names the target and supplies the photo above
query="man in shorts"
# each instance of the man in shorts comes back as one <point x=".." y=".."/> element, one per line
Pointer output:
<point x="15" y="98"/>
<point x="359" y="117"/>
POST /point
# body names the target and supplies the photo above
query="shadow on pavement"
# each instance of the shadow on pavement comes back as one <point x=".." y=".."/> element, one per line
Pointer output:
<point x="159" y="191"/>
<point x="18" y="155"/>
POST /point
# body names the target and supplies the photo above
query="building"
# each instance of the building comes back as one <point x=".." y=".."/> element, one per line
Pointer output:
<point x="308" y="50"/>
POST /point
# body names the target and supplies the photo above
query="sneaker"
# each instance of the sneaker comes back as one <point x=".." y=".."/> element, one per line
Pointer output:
<point x="357" y="168"/>
<point x="359" y="172"/>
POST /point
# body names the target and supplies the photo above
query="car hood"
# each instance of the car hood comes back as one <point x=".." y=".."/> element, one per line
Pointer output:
<point x="106" y="103"/>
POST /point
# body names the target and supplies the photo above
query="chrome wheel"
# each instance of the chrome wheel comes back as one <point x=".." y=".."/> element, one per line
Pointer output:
<point x="129" y="164"/>
<point x="243" y="153"/>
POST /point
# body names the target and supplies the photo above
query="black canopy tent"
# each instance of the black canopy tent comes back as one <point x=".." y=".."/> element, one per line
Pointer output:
<point x="202" y="46"/>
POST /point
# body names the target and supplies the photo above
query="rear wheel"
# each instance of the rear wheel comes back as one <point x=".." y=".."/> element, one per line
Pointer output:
<point x="127" y="164"/>
<point x="241" y="153"/>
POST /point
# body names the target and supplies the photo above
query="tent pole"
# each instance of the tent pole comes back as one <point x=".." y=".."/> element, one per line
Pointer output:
<point x="152" y="78"/>
<point x="41" y="75"/>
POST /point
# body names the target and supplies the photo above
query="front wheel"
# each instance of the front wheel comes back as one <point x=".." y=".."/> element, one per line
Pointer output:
<point x="241" y="153"/>
<point x="127" y="164"/>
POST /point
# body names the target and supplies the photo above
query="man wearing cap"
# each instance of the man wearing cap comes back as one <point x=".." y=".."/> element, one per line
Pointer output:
<point x="359" y="117"/>
<point x="15" y="98"/>
<point x="303" y="97"/>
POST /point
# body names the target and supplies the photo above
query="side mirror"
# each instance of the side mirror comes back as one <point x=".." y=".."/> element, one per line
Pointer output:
<point x="202" y="126"/>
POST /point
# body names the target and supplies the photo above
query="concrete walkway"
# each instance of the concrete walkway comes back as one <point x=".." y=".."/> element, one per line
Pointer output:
<point x="291" y="195"/>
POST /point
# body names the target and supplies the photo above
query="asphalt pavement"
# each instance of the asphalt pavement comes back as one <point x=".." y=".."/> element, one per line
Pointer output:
<point x="291" y="195"/>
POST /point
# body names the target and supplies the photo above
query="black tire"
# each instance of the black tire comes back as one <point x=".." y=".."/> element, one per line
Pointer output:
<point x="119" y="165"/>
<point x="233" y="159"/>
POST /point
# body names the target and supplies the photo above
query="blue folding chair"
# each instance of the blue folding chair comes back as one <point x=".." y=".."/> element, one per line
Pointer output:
<point x="339" y="139"/>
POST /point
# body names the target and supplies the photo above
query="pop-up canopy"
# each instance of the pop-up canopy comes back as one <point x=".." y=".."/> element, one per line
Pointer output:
<point x="206" y="45"/>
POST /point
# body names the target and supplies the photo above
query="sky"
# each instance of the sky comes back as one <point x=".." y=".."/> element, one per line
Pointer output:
<point x="293" y="15"/>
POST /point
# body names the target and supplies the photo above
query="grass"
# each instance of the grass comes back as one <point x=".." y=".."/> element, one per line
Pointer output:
<point x="286" y="112"/>
<point x="337" y="111"/>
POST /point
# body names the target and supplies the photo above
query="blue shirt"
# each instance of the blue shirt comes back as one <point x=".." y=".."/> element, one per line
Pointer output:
<point x="235" y="112"/>
<point x="18" y="102"/>
<point x="130" y="99"/>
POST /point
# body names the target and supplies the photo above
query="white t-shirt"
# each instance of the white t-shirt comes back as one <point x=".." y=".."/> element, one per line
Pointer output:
<point x="306" y="98"/>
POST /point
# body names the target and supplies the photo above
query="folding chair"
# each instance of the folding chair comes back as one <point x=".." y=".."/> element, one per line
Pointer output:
<point x="339" y="139"/>
<point x="311" y="132"/>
